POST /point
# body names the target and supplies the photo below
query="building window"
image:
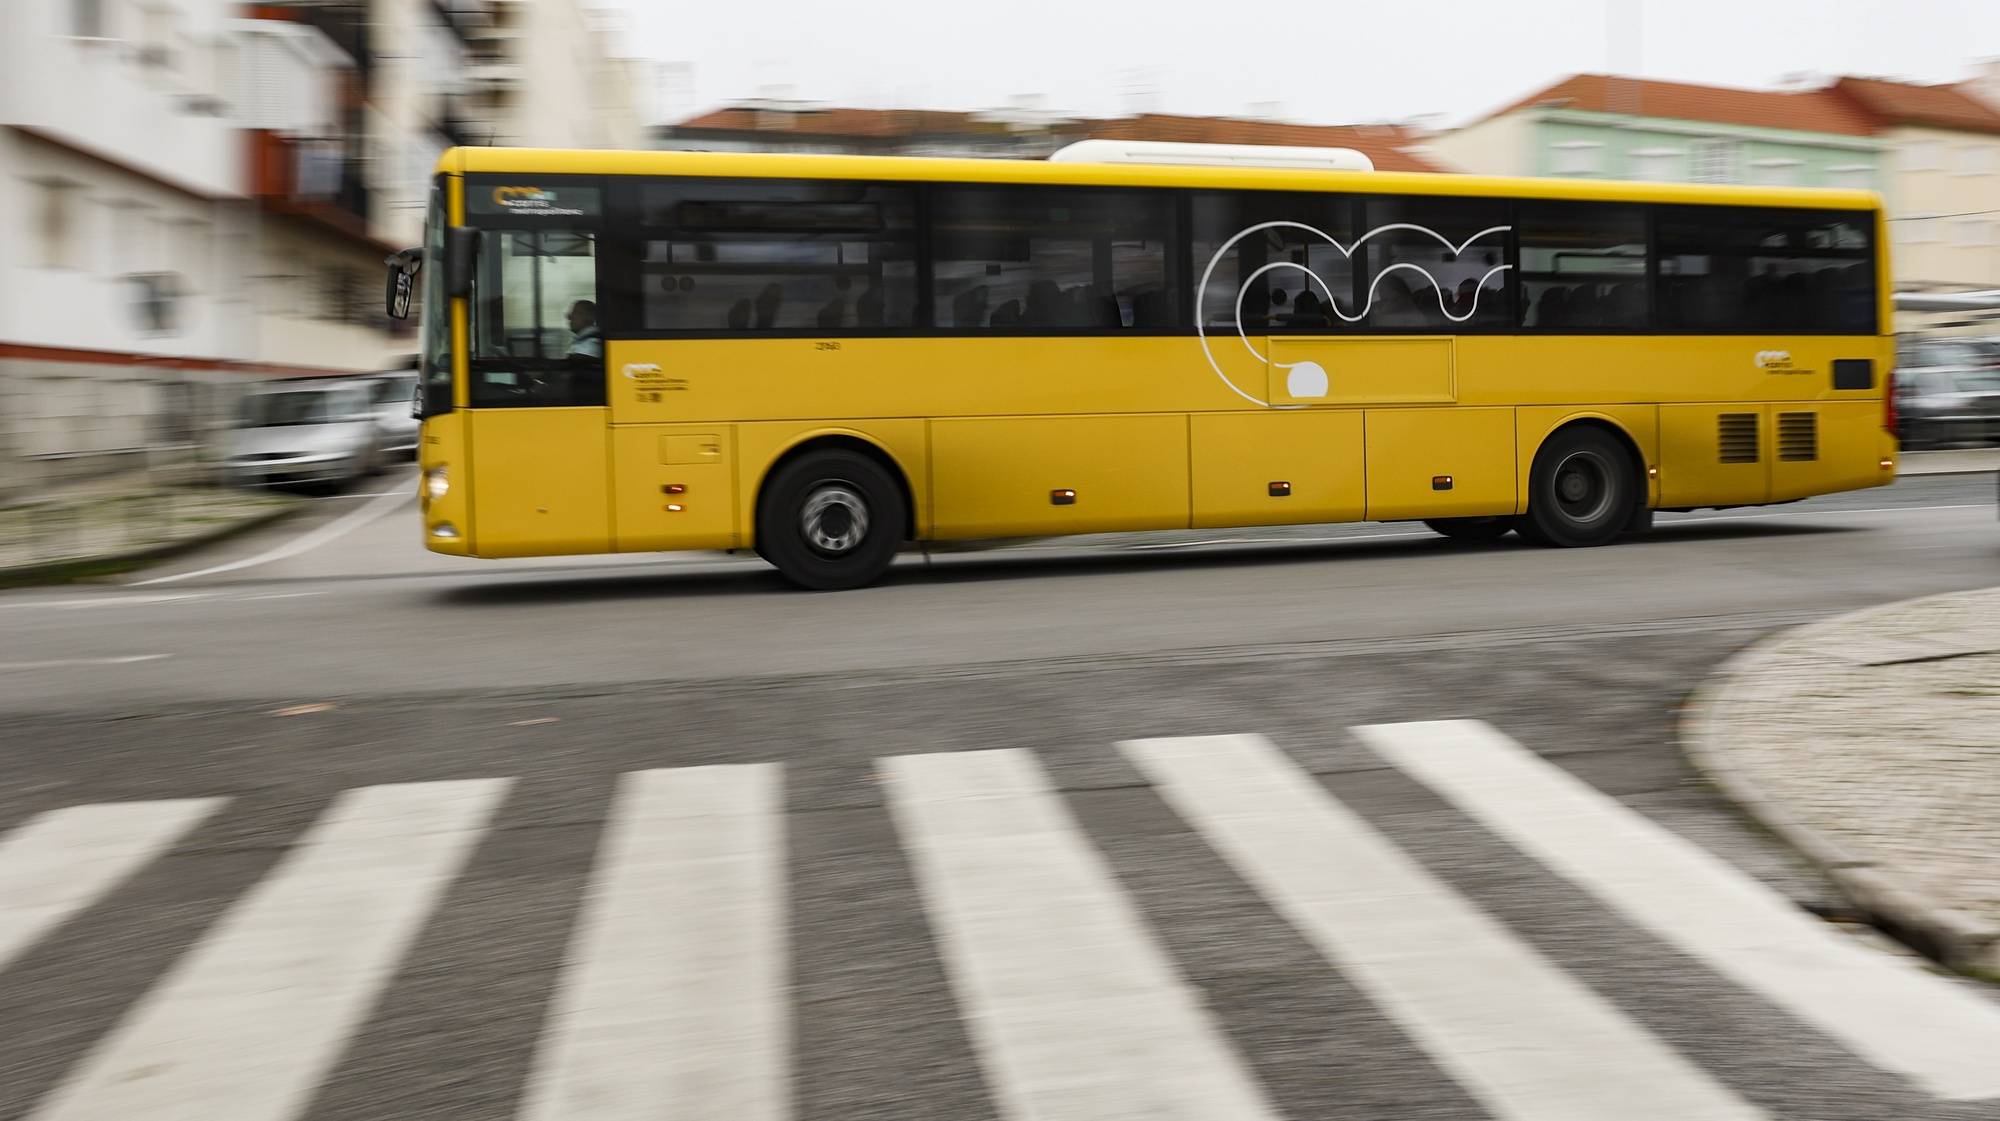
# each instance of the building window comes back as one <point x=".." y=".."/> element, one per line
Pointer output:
<point x="1856" y="176"/>
<point x="56" y="224"/>
<point x="1971" y="233"/>
<point x="1715" y="161"/>
<point x="1775" y="172"/>
<point x="87" y="19"/>
<point x="1660" y="165"/>
<point x="1576" y="157"/>
<point x="1975" y="160"/>
<point x="1924" y="155"/>
<point x="156" y="48"/>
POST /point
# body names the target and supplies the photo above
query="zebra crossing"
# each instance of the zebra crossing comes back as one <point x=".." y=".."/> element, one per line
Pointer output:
<point x="673" y="997"/>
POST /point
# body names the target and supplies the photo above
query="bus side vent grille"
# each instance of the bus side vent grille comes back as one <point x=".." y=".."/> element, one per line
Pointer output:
<point x="1736" y="437"/>
<point x="1798" y="436"/>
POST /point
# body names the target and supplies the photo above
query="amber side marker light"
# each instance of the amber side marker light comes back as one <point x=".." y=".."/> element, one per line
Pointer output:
<point x="675" y="507"/>
<point x="1281" y="490"/>
<point x="674" y="488"/>
<point x="1063" y="497"/>
<point x="1440" y="482"/>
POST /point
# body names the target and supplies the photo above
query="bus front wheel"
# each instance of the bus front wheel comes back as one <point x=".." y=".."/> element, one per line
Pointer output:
<point x="1581" y="491"/>
<point x="830" y="519"/>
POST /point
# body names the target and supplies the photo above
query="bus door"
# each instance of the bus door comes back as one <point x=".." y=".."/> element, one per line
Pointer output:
<point x="538" y="425"/>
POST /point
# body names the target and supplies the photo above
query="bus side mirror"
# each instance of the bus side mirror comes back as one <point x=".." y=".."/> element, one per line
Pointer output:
<point x="403" y="268"/>
<point x="461" y="249"/>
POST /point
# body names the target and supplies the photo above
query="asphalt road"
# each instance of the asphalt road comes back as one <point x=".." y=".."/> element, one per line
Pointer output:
<point x="789" y="918"/>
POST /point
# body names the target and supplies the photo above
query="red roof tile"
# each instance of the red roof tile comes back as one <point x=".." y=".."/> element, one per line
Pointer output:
<point x="1386" y="145"/>
<point x="1801" y="110"/>
<point x="1903" y="103"/>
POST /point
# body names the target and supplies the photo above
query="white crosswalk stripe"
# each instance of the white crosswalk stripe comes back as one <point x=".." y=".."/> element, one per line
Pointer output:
<point x="1522" y="1036"/>
<point x="67" y="859"/>
<point x="671" y="1006"/>
<point x="1885" y="1009"/>
<point x="249" y="1021"/>
<point x="674" y="999"/>
<point x="1074" y="1008"/>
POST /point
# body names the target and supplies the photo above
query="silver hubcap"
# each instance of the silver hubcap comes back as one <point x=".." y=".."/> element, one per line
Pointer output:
<point x="834" y="518"/>
<point x="1583" y="486"/>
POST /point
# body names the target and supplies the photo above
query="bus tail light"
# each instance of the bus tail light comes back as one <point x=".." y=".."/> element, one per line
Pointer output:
<point x="1889" y="402"/>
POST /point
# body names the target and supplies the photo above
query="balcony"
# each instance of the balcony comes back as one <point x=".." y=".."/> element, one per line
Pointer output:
<point x="316" y="180"/>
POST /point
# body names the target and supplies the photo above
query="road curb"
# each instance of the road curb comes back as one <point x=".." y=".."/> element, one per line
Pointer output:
<point x="111" y="564"/>
<point x="1960" y="941"/>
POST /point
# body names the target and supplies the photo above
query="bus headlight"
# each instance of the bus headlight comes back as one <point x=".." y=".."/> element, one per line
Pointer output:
<point x="437" y="483"/>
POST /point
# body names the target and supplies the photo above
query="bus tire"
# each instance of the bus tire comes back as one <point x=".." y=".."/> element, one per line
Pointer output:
<point x="1581" y="491"/>
<point x="1472" y="529"/>
<point x="830" y="520"/>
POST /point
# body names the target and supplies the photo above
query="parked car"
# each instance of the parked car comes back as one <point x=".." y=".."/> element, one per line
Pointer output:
<point x="393" y="393"/>
<point x="299" y="433"/>
<point x="1946" y="392"/>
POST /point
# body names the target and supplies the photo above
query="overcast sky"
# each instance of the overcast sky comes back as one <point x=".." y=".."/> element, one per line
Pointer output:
<point x="1325" y="61"/>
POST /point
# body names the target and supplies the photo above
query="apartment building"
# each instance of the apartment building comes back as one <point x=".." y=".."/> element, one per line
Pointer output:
<point x="195" y="194"/>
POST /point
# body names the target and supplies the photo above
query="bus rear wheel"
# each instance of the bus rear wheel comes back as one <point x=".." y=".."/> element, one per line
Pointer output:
<point x="1581" y="491"/>
<point x="1472" y="529"/>
<point x="830" y="520"/>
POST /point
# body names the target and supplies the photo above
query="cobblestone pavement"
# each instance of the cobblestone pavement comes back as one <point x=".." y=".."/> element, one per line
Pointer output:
<point x="1873" y="741"/>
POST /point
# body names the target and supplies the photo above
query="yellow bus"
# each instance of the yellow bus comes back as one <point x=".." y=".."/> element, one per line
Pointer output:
<point x="824" y="358"/>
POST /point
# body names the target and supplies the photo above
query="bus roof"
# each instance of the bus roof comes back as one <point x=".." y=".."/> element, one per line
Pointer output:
<point x="550" y="161"/>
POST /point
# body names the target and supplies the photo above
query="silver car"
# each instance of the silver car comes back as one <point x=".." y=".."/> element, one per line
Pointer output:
<point x="1946" y="392"/>
<point x="305" y="433"/>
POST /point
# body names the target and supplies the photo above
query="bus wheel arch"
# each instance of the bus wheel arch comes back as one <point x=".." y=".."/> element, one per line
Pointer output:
<point x="1586" y="486"/>
<point x="853" y="442"/>
<point x="832" y="511"/>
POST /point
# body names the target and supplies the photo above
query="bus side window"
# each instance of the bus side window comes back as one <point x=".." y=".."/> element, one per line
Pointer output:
<point x="536" y="334"/>
<point x="1049" y="259"/>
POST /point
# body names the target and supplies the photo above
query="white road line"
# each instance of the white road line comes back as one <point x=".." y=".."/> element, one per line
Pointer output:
<point x="1679" y="520"/>
<point x="124" y="600"/>
<point x="1074" y="1009"/>
<point x="672" y="1005"/>
<point x="1888" y="1010"/>
<point x="65" y="860"/>
<point x="250" y="1020"/>
<point x="339" y="527"/>
<point x="1524" y="1037"/>
<point x="72" y="663"/>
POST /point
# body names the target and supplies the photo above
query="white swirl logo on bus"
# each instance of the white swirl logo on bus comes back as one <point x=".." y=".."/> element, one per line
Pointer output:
<point x="1307" y="380"/>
